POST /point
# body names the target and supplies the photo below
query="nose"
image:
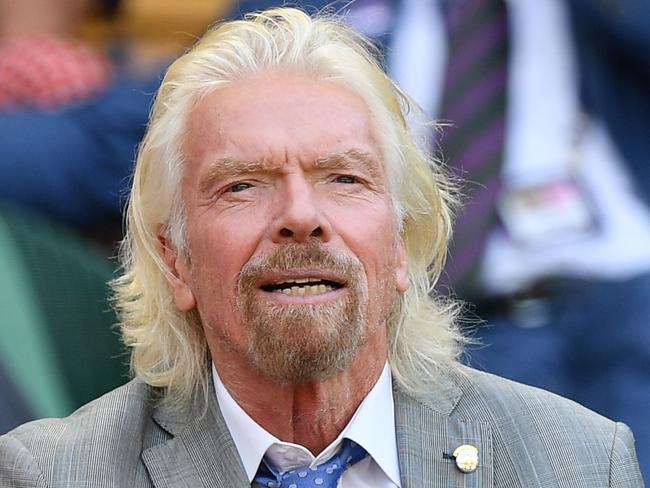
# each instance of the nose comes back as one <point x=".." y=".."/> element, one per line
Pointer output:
<point x="299" y="216"/>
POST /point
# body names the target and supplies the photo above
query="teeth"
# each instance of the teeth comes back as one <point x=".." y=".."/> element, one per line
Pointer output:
<point x="305" y="290"/>
<point x="302" y="280"/>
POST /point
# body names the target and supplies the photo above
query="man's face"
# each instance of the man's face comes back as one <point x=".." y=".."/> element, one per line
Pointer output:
<point x="293" y="259"/>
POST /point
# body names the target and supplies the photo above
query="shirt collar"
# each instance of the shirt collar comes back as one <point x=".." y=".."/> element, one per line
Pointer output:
<point x="372" y="426"/>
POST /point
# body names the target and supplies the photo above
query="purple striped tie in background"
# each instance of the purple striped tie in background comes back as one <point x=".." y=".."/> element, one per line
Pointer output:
<point x="473" y="108"/>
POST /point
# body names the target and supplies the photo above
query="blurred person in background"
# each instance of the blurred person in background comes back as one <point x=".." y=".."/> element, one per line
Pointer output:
<point x="42" y="64"/>
<point x="70" y="116"/>
<point x="74" y="99"/>
<point x="70" y="157"/>
<point x="48" y="77"/>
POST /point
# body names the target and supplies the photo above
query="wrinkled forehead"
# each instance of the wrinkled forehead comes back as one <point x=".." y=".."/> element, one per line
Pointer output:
<point x="280" y="117"/>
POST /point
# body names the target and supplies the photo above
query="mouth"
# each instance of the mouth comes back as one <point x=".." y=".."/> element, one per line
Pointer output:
<point x="299" y="287"/>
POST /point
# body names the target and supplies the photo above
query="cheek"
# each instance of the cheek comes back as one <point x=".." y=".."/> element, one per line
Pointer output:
<point x="214" y="275"/>
<point x="224" y="239"/>
<point x="367" y="217"/>
<point x="372" y="240"/>
<point x="221" y="243"/>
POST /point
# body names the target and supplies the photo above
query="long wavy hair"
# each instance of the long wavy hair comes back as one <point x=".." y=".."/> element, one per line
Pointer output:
<point x="168" y="347"/>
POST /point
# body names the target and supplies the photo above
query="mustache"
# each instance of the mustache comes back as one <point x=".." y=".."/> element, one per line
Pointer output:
<point x="312" y="254"/>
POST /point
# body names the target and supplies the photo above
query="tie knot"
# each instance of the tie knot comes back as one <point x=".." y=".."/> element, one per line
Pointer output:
<point x="325" y="475"/>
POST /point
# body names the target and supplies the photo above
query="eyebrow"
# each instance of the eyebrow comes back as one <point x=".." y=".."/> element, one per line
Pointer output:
<point x="349" y="160"/>
<point x="224" y="168"/>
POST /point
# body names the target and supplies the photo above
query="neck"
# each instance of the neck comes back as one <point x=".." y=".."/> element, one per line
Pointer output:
<point x="312" y="414"/>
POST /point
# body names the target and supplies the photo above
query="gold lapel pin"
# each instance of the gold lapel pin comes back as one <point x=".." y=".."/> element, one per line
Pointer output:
<point x="466" y="457"/>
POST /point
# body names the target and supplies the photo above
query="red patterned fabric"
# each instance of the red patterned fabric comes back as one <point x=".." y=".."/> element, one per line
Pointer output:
<point x="48" y="72"/>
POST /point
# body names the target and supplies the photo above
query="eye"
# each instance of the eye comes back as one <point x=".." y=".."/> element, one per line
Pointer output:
<point x="347" y="179"/>
<point x="237" y="187"/>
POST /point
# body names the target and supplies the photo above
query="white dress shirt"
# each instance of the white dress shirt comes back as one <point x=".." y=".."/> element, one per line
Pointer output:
<point x="372" y="426"/>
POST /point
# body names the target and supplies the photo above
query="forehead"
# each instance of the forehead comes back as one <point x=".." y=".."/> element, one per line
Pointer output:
<point x="279" y="117"/>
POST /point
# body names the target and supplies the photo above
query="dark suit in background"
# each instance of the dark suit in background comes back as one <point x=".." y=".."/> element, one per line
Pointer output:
<point x="613" y="42"/>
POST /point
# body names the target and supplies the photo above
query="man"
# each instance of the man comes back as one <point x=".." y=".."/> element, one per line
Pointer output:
<point x="283" y="230"/>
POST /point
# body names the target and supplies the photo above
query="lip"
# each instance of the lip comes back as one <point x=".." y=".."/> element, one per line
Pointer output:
<point x="301" y="274"/>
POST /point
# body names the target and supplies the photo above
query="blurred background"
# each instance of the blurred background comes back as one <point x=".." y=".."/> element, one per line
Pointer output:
<point x="76" y="83"/>
<point x="543" y="111"/>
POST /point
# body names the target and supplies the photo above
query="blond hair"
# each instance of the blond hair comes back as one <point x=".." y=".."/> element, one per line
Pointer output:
<point x="168" y="347"/>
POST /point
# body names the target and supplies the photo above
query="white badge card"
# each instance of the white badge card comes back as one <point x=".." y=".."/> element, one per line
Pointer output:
<point x="549" y="213"/>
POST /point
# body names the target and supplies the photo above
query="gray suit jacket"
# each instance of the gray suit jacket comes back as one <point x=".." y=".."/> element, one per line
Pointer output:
<point x="525" y="437"/>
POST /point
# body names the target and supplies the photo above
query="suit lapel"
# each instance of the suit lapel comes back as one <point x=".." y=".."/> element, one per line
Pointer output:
<point x="427" y="435"/>
<point x="201" y="452"/>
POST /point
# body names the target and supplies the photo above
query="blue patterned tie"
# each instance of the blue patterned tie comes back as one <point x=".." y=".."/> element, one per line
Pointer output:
<point x="325" y="475"/>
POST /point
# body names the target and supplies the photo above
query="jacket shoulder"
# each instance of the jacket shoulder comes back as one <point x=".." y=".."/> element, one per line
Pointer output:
<point x="102" y="440"/>
<point x="506" y="398"/>
<point x="560" y="434"/>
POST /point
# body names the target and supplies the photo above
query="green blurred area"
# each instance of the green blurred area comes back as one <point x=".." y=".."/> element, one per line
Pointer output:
<point x="58" y="344"/>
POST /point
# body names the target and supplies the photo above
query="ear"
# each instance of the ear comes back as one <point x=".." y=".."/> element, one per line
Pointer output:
<point x="402" y="269"/>
<point x="179" y="273"/>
